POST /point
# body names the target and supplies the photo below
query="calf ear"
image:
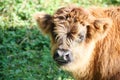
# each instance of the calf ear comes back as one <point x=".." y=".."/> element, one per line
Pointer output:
<point x="103" y="24"/>
<point x="44" y="21"/>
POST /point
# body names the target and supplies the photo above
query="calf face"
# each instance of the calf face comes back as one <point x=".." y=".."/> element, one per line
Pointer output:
<point x="73" y="33"/>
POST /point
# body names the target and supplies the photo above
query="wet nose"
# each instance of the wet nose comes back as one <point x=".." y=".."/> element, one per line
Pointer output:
<point x="62" y="56"/>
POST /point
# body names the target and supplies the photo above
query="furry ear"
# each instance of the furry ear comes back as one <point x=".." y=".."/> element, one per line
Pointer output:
<point x="44" y="21"/>
<point x="102" y="24"/>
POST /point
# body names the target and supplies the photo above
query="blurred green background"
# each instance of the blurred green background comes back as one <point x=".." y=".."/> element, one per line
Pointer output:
<point x="24" y="52"/>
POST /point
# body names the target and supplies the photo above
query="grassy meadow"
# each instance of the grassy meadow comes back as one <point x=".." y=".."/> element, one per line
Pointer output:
<point x="24" y="51"/>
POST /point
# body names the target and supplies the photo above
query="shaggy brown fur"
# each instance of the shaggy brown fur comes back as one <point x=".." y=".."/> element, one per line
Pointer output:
<point x="97" y="55"/>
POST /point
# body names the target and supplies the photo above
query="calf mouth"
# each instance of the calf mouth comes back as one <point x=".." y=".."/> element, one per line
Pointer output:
<point x="61" y="61"/>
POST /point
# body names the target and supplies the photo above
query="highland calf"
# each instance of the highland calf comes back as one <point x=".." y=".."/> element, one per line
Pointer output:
<point x="85" y="42"/>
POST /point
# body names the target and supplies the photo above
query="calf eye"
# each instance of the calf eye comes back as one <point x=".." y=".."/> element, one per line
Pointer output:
<point x="81" y="37"/>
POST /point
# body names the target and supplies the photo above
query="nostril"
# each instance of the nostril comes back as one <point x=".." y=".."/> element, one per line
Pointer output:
<point x="68" y="56"/>
<point x="56" y="55"/>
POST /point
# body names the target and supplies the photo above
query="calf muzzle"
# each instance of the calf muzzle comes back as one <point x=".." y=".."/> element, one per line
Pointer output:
<point x="62" y="56"/>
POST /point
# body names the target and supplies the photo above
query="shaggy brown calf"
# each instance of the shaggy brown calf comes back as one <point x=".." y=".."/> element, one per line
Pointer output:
<point x="85" y="42"/>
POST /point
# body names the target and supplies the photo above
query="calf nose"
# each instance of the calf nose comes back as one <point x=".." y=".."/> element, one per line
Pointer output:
<point x="62" y="56"/>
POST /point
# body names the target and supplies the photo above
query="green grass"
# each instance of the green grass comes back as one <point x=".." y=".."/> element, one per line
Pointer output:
<point x="25" y="56"/>
<point x="24" y="52"/>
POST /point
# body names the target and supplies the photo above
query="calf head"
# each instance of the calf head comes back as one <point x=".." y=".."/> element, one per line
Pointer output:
<point x="73" y="33"/>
